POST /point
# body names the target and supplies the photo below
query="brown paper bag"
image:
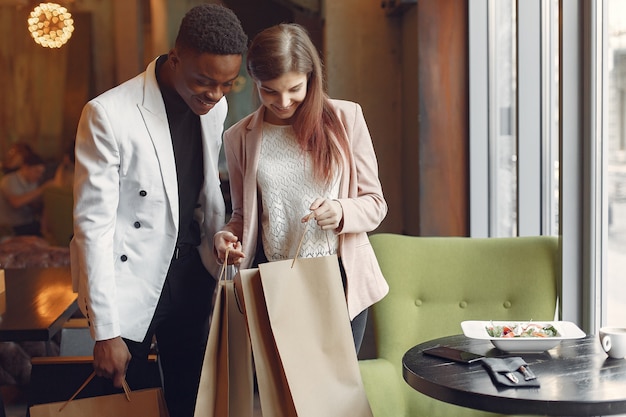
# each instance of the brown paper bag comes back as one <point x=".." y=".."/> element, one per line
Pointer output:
<point x="302" y="340"/>
<point x="274" y="391"/>
<point x="147" y="402"/>
<point x="226" y="382"/>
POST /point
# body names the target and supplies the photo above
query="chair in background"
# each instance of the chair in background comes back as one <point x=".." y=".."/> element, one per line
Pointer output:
<point x="438" y="282"/>
<point x="57" y="218"/>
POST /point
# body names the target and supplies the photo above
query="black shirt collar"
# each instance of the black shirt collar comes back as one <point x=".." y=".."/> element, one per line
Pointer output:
<point x="173" y="101"/>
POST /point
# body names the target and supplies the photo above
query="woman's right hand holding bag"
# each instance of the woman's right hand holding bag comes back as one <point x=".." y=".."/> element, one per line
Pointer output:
<point x="223" y="241"/>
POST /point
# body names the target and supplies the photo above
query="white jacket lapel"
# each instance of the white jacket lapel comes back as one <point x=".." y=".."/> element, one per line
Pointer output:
<point x="155" y="119"/>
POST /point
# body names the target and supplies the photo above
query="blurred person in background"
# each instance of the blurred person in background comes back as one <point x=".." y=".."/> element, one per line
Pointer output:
<point x="15" y="156"/>
<point x="20" y="196"/>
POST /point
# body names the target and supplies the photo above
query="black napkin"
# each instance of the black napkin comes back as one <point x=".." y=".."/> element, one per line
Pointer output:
<point x="498" y="368"/>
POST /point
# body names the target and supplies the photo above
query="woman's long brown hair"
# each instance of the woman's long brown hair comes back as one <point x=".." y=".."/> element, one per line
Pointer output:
<point x="287" y="48"/>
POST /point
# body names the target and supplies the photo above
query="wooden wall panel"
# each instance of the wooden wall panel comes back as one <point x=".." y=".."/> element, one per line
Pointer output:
<point x="443" y="118"/>
<point x="33" y="85"/>
<point x="363" y="61"/>
<point x="7" y="68"/>
<point x="79" y="79"/>
<point x="43" y="89"/>
<point x="410" y="179"/>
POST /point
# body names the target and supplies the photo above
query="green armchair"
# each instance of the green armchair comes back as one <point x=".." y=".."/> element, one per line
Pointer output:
<point x="435" y="284"/>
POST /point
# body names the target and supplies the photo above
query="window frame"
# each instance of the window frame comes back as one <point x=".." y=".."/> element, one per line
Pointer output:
<point x="580" y="149"/>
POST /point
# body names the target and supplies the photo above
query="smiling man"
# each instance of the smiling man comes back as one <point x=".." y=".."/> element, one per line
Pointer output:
<point x="148" y="202"/>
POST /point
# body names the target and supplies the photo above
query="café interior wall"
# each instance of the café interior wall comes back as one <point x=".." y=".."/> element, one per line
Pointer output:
<point x="364" y="63"/>
<point x="44" y="89"/>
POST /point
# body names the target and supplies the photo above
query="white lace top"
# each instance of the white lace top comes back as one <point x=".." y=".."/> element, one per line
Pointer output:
<point x="287" y="189"/>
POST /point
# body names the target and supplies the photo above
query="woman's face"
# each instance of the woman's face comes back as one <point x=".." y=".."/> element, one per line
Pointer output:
<point x="282" y="96"/>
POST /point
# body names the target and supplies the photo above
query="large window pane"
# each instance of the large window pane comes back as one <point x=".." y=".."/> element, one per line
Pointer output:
<point x="550" y="115"/>
<point x="614" y="285"/>
<point x="502" y="117"/>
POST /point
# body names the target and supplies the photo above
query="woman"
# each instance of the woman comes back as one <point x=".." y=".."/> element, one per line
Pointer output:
<point x="303" y="156"/>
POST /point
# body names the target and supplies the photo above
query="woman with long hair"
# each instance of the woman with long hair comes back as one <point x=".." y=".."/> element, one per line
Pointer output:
<point x="303" y="156"/>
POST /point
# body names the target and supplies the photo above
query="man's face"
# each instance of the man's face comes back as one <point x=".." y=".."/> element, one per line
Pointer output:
<point x="203" y="79"/>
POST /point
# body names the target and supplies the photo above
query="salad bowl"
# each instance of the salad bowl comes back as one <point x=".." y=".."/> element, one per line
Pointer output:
<point x="517" y="336"/>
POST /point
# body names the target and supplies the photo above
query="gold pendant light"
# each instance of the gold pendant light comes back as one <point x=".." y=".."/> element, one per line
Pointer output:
<point x="50" y="25"/>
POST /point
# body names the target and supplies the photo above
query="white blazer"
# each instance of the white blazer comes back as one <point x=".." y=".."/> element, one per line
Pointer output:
<point x="126" y="205"/>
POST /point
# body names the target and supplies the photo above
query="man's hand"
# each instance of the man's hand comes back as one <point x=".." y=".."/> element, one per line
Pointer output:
<point x="110" y="359"/>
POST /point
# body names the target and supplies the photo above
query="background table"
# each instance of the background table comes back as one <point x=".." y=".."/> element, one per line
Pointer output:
<point x="577" y="379"/>
<point x="38" y="302"/>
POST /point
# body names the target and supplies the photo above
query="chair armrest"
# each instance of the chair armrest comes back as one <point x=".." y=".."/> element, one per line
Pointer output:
<point x="383" y="386"/>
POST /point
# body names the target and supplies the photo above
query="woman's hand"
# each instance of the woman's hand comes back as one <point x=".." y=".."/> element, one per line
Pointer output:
<point x="327" y="213"/>
<point x="223" y="240"/>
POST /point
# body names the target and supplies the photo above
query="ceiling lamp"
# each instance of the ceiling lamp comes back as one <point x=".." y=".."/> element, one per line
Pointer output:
<point x="50" y="25"/>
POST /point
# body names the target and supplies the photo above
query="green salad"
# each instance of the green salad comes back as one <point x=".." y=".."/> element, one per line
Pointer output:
<point x="522" y="330"/>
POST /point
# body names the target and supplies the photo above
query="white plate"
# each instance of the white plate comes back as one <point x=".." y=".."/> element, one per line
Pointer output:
<point x="566" y="330"/>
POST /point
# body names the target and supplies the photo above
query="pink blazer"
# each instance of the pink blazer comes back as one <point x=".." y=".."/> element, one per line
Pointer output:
<point x="360" y="195"/>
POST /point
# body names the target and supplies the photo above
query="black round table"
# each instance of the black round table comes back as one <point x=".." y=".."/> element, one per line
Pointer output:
<point x="576" y="379"/>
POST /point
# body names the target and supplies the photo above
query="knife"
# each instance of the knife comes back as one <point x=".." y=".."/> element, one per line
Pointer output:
<point x="511" y="377"/>
<point x="528" y="374"/>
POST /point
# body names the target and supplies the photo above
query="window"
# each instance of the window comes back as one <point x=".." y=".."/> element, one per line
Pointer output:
<point x="613" y="135"/>
<point x="514" y="118"/>
<point x="568" y="88"/>
<point x="502" y="118"/>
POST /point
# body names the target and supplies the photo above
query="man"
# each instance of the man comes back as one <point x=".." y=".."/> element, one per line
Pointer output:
<point x="148" y="202"/>
<point x="20" y="196"/>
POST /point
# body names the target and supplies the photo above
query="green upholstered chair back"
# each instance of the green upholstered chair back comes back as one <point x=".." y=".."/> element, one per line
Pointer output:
<point x="438" y="282"/>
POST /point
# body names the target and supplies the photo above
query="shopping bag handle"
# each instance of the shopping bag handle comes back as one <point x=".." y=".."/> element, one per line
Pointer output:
<point x="222" y="274"/>
<point x="89" y="378"/>
<point x="223" y="269"/>
<point x="309" y="217"/>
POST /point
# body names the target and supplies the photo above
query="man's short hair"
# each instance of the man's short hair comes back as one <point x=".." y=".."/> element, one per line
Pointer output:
<point x="214" y="29"/>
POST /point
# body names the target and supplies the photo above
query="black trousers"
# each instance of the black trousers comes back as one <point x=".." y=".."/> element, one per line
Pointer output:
<point x="358" y="323"/>
<point x="181" y="325"/>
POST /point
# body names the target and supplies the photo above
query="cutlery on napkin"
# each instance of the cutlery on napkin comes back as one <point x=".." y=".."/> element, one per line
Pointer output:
<point x="510" y="372"/>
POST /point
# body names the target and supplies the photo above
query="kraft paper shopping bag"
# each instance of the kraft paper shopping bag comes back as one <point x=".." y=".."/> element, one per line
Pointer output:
<point x="226" y="383"/>
<point x="302" y="341"/>
<point x="274" y="393"/>
<point x="146" y="402"/>
<point x="311" y="327"/>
